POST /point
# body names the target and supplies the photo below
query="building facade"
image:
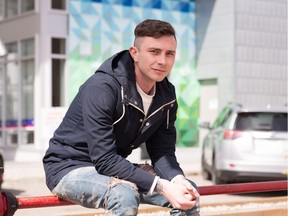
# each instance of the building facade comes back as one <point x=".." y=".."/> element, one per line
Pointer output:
<point x="34" y="34"/>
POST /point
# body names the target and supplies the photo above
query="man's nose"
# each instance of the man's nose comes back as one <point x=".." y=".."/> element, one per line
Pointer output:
<point x="162" y="59"/>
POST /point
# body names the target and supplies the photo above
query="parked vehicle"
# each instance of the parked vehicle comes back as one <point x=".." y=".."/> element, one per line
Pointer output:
<point x="246" y="144"/>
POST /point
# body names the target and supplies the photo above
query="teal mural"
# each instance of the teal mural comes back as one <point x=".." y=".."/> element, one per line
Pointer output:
<point x="100" y="28"/>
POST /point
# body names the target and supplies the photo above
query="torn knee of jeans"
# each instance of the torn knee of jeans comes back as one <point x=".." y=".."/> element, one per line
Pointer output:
<point x="115" y="180"/>
<point x="83" y="198"/>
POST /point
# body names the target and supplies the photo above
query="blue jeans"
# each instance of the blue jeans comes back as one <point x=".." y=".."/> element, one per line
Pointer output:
<point x="86" y="187"/>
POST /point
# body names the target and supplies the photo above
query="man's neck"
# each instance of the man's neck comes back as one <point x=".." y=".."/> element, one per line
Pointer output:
<point x="145" y="84"/>
<point x="150" y="93"/>
<point x="147" y="89"/>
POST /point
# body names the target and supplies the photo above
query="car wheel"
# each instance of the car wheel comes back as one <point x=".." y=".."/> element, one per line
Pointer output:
<point x="215" y="178"/>
<point x="205" y="173"/>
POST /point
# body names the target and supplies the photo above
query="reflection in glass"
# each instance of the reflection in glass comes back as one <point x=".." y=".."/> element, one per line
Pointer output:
<point x="27" y="5"/>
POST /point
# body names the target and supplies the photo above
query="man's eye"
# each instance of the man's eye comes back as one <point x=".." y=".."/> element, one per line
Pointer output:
<point x="154" y="52"/>
<point x="170" y="54"/>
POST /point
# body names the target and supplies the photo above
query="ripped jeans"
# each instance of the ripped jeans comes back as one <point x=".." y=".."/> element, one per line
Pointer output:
<point x="86" y="187"/>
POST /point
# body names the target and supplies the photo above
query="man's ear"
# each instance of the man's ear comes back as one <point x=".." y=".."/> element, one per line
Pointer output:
<point x="134" y="53"/>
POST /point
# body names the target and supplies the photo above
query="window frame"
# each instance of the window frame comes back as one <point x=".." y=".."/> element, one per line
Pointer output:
<point x="4" y="10"/>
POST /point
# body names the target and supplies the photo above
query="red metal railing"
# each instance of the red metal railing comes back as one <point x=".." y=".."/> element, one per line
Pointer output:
<point x="9" y="203"/>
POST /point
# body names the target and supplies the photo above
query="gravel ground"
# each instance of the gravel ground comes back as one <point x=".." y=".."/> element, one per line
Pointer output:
<point x="160" y="213"/>
<point x="247" y="207"/>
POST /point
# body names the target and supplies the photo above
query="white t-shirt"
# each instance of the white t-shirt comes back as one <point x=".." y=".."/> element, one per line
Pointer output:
<point x="146" y="99"/>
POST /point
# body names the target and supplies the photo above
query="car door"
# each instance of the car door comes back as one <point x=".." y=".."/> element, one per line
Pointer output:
<point x="214" y="135"/>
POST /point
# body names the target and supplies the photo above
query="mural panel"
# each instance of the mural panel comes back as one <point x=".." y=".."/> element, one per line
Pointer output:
<point x="100" y="28"/>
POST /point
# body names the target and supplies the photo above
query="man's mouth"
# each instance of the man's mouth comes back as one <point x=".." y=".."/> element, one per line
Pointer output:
<point x="159" y="70"/>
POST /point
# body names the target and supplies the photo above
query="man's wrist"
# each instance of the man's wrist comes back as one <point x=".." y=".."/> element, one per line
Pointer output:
<point x="154" y="185"/>
<point x="160" y="185"/>
<point x="178" y="177"/>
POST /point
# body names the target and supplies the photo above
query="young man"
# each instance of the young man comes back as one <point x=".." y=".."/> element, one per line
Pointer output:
<point x="128" y="101"/>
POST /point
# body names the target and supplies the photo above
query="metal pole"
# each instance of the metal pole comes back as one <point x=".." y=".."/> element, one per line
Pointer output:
<point x="41" y="201"/>
<point x="9" y="203"/>
<point x="244" y="188"/>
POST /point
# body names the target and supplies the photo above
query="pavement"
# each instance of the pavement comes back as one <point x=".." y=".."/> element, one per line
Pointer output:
<point x="27" y="179"/>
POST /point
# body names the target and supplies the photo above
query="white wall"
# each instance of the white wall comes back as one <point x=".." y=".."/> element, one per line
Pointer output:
<point x="243" y="44"/>
<point x="261" y="52"/>
<point x="215" y="45"/>
<point x="53" y="23"/>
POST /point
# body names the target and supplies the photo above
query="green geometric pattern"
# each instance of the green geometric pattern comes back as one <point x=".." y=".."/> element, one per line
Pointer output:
<point x="100" y="28"/>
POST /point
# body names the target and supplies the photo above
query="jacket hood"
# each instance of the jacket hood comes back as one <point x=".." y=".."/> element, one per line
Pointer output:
<point x="120" y="66"/>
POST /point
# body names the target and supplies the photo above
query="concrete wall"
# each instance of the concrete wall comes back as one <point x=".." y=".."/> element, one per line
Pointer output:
<point x="53" y="23"/>
<point x="215" y="45"/>
<point x="243" y="45"/>
<point x="20" y="27"/>
<point x="261" y="52"/>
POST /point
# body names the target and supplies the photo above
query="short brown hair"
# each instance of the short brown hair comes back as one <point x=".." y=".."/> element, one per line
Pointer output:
<point x="154" y="28"/>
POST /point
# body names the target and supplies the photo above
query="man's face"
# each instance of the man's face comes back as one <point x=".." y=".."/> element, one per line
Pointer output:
<point x="154" y="58"/>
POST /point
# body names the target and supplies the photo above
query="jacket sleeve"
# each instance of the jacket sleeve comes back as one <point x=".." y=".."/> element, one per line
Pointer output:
<point x="161" y="148"/>
<point x="99" y="102"/>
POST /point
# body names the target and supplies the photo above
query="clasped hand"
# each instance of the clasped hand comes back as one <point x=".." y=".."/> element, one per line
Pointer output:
<point x="180" y="193"/>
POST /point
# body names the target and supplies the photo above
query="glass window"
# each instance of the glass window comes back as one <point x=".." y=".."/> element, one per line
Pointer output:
<point x="221" y="117"/>
<point x="58" y="46"/>
<point x="27" y="5"/>
<point x="12" y="83"/>
<point x="1" y="92"/>
<point x="28" y="87"/>
<point x="11" y="47"/>
<point x="58" y="82"/>
<point x="11" y="8"/>
<point x="27" y="78"/>
<point x="18" y="101"/>
<point x="58" y="4"/>
<point x="261" y="121"/>
<point x="1" y="10"/>
<point x="226" y="118"/>
<point x="27" y="47"/>
<point x="27" y="136"/>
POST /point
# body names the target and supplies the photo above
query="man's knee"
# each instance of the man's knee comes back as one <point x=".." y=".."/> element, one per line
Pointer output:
<point x="123" y="198"/>
<point x="126" y="192"/>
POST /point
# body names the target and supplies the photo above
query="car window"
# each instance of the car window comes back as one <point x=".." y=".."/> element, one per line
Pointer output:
<point x="226" y="117"/>
<point x="261" y="121"/>
<point x="223" y="115"/>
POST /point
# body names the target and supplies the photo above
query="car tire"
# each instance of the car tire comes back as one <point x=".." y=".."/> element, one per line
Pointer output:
<point x="215" y="178"/>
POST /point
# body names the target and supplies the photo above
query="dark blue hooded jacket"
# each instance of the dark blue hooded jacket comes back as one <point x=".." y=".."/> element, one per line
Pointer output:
<point x="106" y="121"/>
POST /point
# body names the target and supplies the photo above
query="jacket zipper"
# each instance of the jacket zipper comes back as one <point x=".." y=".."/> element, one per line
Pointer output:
<point x="123" y="106"/>
<point x="145" y="117"/>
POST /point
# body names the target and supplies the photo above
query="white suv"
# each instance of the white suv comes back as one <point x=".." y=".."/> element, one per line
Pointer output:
<point x="246" y="144"/>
